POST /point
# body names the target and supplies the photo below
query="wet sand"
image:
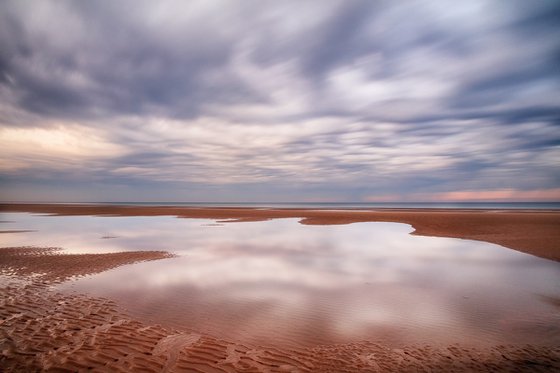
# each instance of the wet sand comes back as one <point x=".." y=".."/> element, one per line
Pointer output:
<point x="16" y="231"/>
<point x="50" y="264"/>
<point x="43" y="329"/>
<point x="535" y="232"/>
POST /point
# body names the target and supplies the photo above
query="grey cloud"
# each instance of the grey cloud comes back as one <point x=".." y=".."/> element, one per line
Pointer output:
<point x="121" y="58"/>
<point x="338" y="40"/>
<point x="424" y="96"/>
<point x="104" y="62"/>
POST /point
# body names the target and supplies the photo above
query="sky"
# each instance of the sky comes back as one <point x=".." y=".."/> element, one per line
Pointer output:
<point x="279" y="101"/>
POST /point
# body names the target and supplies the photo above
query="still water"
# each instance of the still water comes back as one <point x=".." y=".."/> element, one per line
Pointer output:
<point x="279" y="282"/>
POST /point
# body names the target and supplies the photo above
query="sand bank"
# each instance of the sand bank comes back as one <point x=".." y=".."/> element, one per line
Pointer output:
<point x="49" y="264"/>
<point x="531" y="231"/>
<point x="44" y="330"/>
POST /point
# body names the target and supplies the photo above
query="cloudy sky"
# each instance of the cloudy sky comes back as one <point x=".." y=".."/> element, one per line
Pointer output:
<point x="279" y="100"/>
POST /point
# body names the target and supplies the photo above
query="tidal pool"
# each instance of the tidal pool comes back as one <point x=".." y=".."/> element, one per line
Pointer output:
<point x="279" y="282"/>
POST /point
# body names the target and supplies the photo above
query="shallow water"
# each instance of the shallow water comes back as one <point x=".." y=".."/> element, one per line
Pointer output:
<point x="282" y="283"/>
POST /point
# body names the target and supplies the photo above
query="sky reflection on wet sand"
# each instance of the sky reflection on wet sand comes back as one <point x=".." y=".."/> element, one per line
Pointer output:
<point x="279" y="282"/>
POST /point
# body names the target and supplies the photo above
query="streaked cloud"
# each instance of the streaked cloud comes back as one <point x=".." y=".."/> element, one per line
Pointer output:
<point x="499" y="195"/>
<point x="332" y="100"/>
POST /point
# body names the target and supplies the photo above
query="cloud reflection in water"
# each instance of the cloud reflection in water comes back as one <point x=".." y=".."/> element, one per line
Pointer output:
<point x="280" y="282"/>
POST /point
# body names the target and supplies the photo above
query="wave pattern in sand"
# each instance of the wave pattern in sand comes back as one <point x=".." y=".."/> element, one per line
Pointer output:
<point x="44" y="330"/>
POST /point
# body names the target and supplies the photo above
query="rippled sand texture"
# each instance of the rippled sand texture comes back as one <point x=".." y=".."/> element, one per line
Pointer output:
<point x="49" y="264"/>
<point x="41" y="329"/>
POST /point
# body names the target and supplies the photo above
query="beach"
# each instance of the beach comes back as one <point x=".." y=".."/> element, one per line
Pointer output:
<point x="45" y="328"/>
<point x="532" y="231"/>
<point x="341" y="186"/>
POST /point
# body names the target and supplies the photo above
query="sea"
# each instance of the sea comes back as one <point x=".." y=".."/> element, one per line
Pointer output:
<point x="356" y="205"/>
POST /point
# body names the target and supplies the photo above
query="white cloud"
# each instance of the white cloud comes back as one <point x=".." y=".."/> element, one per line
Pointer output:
<point x="56" y="147"/>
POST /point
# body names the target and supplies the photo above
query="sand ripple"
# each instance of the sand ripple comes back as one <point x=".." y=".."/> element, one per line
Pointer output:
<point x="44" y="330"/>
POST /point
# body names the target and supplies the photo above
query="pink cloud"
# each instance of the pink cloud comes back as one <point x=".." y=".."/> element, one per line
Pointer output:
<point x="501" y="195"/>
<point x="473" y="195"/>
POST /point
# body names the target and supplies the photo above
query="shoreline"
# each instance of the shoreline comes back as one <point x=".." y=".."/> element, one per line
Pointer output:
<point x="534" y="232"/>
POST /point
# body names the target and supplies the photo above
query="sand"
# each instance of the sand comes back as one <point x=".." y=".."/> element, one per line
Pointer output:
<point x="16" y="231"/>
<point x="49" y="264"/>
<point x="535" y="232"/>
<point x="42" y="329"/>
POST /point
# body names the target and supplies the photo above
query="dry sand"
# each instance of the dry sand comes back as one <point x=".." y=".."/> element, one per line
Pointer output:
<point x="42" y="329"/>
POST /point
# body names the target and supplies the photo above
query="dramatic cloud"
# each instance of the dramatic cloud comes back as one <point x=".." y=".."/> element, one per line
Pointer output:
<point x="252" y="100"/>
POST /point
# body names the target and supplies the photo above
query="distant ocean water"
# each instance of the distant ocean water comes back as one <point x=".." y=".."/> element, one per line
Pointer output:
<point x="359" y="205"/>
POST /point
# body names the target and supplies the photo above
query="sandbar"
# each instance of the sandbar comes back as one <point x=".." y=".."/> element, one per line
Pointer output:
<point x="536" y="232"/>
